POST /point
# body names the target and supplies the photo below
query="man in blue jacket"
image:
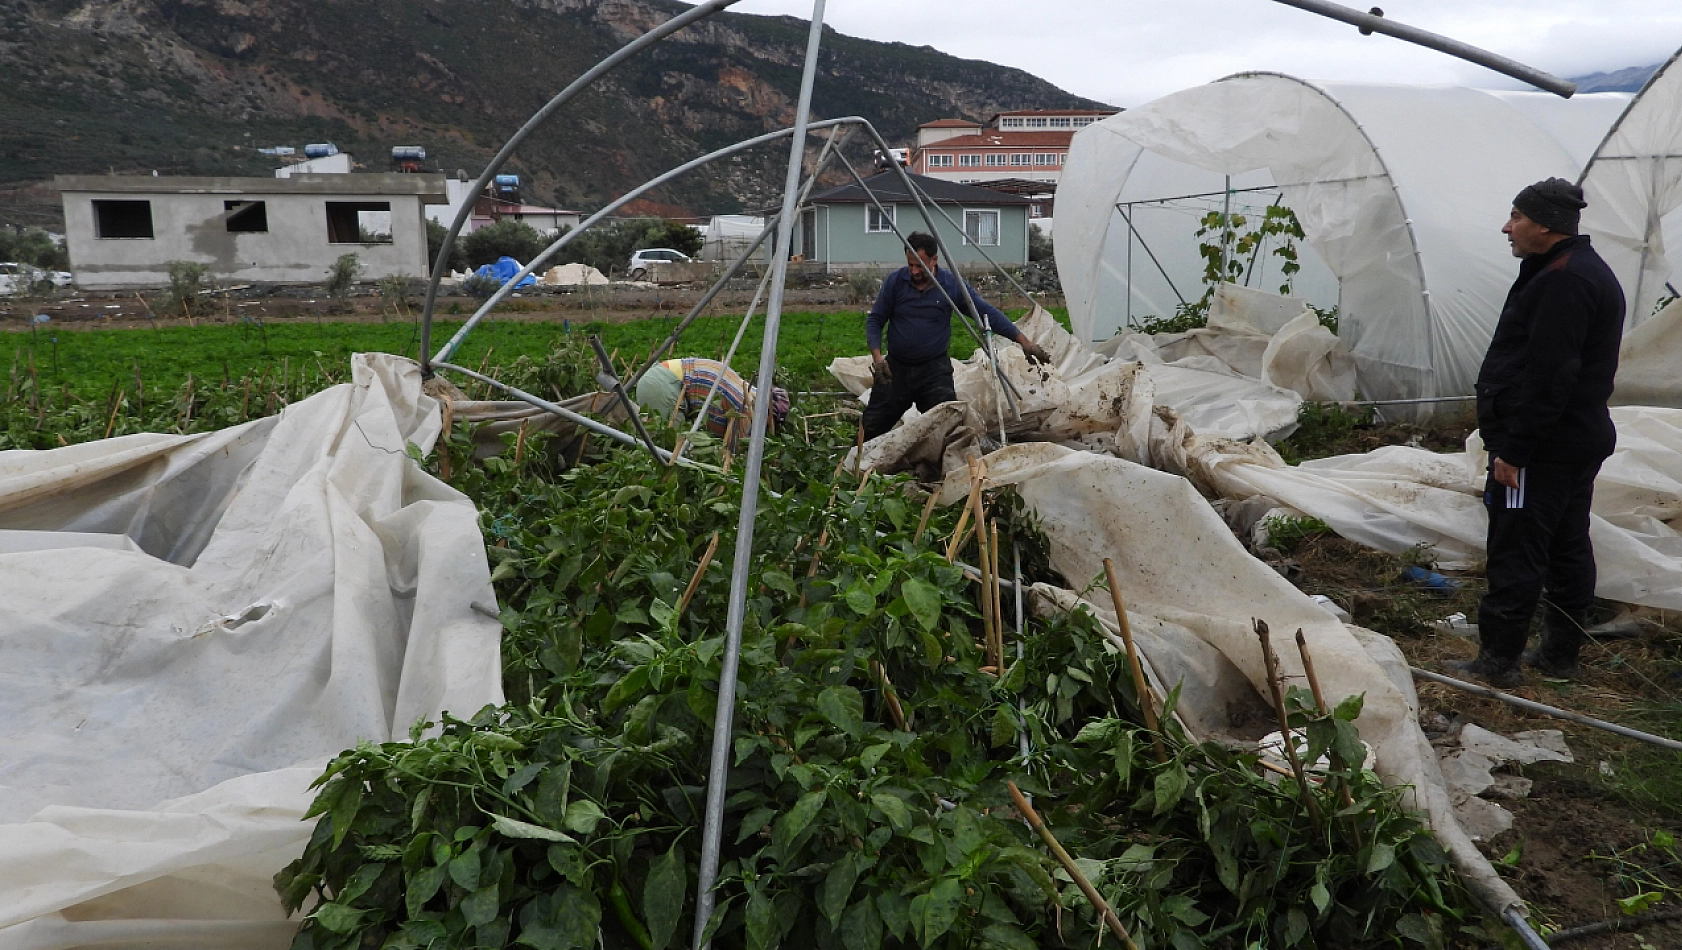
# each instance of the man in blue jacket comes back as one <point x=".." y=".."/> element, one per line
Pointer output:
<point x="917" y="318"/>
<point x="1542" y="413"/>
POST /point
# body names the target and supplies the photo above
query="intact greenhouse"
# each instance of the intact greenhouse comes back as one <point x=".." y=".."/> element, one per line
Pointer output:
<point x="1400" y="192"/>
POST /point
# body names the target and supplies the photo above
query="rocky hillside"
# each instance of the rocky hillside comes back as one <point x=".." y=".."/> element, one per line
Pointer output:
<point x="195" y="86"/>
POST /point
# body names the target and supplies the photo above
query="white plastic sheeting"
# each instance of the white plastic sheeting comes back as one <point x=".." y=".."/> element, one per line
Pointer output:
<point x="191" y="626"/>
<point x="1398" y="497"/>
<point x="1085" y="398"/>
<point x="1191" y="592"/>
<point x="1634" y="189"/>
<point x="1400" y="190"/>
<point x="1650" y="362"/>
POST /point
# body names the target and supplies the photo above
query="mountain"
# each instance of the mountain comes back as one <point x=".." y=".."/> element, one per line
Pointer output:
<point x="1628" y="79"/>
<point x="196" y="86"/>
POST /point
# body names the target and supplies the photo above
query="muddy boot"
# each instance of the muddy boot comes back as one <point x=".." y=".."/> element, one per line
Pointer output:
<point x="1562" y="640"/>
<point x="1502" y="673"/>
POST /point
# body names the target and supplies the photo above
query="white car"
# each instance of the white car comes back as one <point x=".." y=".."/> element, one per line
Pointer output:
<point x="640" y="261"/>
<point x="17" y="278"/>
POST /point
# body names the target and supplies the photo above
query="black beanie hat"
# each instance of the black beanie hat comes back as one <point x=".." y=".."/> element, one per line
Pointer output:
<point x="1555" y="204"/>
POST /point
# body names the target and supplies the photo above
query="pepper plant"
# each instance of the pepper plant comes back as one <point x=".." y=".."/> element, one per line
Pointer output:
<point x="866" y="806"/>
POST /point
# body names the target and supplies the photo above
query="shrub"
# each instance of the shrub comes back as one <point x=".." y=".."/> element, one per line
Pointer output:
<point x="435" y="233"/>
<point x="1039" y="244"/>
<point x="186" y="280"/>
<point x="515" y="239"/>
<point x="341" y="276"/>
<point x="34" y="246"/>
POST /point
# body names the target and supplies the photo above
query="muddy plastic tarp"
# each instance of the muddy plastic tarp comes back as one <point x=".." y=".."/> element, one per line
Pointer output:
<point x="192" y="626"/>
<point x="1649" y="359"/>
<point x="1079" y="399"/>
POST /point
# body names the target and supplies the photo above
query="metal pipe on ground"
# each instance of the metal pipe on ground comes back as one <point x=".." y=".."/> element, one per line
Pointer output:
<point x="1376" y="23"/>
<point x="718" y="771"/>
<point x="585" y="422"/>
<point x="699" y="12"/>
<point x="1554" y="711"/>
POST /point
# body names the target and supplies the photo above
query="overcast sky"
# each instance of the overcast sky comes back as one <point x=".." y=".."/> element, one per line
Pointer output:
<point x="1127" y="52"/>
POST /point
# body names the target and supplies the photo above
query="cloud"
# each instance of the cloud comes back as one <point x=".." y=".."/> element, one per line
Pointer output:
<point x="1131" y="51"/>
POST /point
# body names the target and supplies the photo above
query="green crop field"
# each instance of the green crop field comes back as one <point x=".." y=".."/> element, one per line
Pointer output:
<point x="93" y="363"/>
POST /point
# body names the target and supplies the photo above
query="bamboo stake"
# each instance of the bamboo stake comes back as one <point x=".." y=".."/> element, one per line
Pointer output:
<point x="1097" y="900"/>
<point x="1320" y="702"/>
<point x="923" y="522"/>
<point x="111" y="424"/>
<point x="1147" y="701"/>
<point x="998" y="601"/>
<point x="695" y="581"/>
<point x="889" y="698"/>
<point x="1272" y="662"/>
<point x="520" y="442"/>
<point x="958" y="536"/>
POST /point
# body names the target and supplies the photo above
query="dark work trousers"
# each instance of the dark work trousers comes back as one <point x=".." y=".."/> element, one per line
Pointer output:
<point x="1538" y="539"/>
<point x="926" y="384"/>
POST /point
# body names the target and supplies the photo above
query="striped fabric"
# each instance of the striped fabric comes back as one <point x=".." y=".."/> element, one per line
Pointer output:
<point x="698" y="374"/>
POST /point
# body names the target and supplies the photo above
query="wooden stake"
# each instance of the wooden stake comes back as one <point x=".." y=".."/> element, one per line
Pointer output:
<point x="1097" y="900"/>
<point x="520" y="442"/>
<point x="1320" y="701"/>
<point x="998" y="601"/>
<point x="111" y="424"/>
<point x="1273" y="684"/>
<point x="695" y="581"/>
<point x="889" y="698"/>
<point x="923" y="522"/>
<point x="1147" y="702"/>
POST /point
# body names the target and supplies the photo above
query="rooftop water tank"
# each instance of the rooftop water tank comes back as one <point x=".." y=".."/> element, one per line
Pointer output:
<point x="408" y="153"/>
<point x="320" y="150"/>
<point x="508" y="181"/>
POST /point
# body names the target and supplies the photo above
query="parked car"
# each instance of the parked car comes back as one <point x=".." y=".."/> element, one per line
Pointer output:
<point x="18" y="278"/>
<point x="640" y="261"/>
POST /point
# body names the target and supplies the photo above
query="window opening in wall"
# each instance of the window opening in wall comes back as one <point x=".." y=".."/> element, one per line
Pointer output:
<point x="1021" y="158"/>
<point x="246" y="217"/>
<point x="981" y="227"/>
<point x="969" y="161"/>
<point x="996" y="159"/>
<point x="122" y="219"/>
<point x="358" y="222"/>
<point x="940" y="161"/>
<point x="875" y="222"/>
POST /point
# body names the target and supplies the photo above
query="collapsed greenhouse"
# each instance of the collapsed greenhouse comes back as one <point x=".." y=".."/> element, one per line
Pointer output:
<point x="290" y="690"/>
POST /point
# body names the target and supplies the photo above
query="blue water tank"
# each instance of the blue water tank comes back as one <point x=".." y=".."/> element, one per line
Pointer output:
<point x="408" y="153"/>
<point x="508" y="181"/>
<point x="320" y="150"/>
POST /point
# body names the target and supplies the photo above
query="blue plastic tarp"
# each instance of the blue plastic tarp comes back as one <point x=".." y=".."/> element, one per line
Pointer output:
<point x="504" y="269"/>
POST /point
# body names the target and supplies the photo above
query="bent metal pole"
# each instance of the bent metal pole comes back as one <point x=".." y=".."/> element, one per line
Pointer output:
<point x="507" y="288"/>
<point x="1376" y="23"/>
<point x="718" y="772"/>
<point x="699" y="12"/>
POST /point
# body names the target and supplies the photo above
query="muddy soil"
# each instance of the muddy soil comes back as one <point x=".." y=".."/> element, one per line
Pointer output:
<point x="1563" y="853"/>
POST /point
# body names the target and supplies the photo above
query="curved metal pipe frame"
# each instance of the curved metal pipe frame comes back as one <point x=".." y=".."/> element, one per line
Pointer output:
<point x="699" y="12"/>
<point x="507" y="288"/>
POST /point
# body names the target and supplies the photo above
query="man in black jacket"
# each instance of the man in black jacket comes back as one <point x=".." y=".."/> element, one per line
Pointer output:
<point x="1542" y="413"/>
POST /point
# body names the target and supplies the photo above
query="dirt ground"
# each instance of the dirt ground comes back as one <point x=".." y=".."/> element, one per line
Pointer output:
<point x="611" y="304"/>
<point x="1584" y="838"/>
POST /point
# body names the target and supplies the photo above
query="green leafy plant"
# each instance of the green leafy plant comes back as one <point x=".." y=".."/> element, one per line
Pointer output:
<point x="187" y="279"/>
<point x="1232" y="245"/>
<point x="872" y="740"/>
<point x="342" y="274"/>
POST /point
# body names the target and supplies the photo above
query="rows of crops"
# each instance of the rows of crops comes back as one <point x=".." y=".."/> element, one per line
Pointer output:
<point x="873" y="740"/>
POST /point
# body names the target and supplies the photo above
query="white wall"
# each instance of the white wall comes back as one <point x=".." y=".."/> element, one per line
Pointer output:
<point x="192" y="227"/>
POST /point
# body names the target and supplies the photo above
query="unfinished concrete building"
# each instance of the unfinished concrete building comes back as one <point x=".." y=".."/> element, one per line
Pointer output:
<point x="123" y="231"/>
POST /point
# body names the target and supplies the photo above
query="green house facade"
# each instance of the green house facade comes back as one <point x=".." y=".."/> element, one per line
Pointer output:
<point x="844" y="229"/>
